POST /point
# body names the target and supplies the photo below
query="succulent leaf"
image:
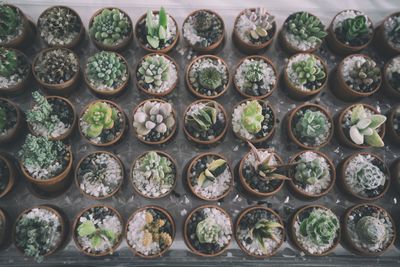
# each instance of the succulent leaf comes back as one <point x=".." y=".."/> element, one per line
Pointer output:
<point x="252" y="117"/>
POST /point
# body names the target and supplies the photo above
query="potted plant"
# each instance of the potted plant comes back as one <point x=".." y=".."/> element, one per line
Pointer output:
<point x="388" y="34"/>
<point x="157" y="31"/>
<point x="302" y="32"/>
<point x="102" y="123"/>
<point x="393" y="125"/>
<point x="369" y="230"/>
<point x="157" y="75"/>
<point x="150" y="232"/>
<point x="360" y="126"/>
<point x="154" y="174"/>
<point x="5" y="231"/>
<point x="357" y="76"/>
<point x="315" y="230"/>
<point x="253" y="120"/>
<point x="98" y="230"/>
<point x="204" y="31"/>
<point x="349" y="32"/>
<point x="60" y="26"/>
<point x="99" y="175"/>
<point x="11" y="121"/>
<point x="207" y="77"/>
<point x="253" y="30"/>
<point x="259" y="231"/>
<point x="8" y="175"/>
<point x="205" y="122"/>
<point x="364" y="176"/>
<point x="154" y="121"/>
<point x="39" y="232"/>
<point x="52" y="117"/>
<point x="310" y="126"/>
<point x="57" y="70"/>
<point x="255" y="76"/>
<point x="305" y="75"/>
<point x="110" y="29"/>
<point x="209" y="176"/>
<point x="15" y="71"/>
<point x="208" y="231"/>
<point x="391" y="77"/>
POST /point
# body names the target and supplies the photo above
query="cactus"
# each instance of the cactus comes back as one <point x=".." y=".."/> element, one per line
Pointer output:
<point x="311" y="126"/>
<point x="153" y="232"/>
<point x="203" y="118"/>
<point x="154" y="69"/>
<point x="210" y="78"/>
<point x="96" y="234"/>
<point x="371" y="230"/>
<point x="3" y="119"/>
<point x="203" y="21"/>
<point x="308" y="71"/>
<point x="306" y="27"/>
<point x="366" y="75"/>
<point x="262" y="22"/>
<point x="252" y="117"/>
<point x="320" y="226"/>
<point x="208" y="231"/>
<point x="253" y="73"/>
<point x="264" y="229"/>
<point x="8" y="62"/>
<point x="157" y="167"/>
<point x="369" y="177"/>
<point x="356" y="27"/>
<point x="156" y="33"/>
<point x="10" y="20"/>
<point x="99" y="116"/>
<point x="309" y="172"/>
<point x="210" y="174"/>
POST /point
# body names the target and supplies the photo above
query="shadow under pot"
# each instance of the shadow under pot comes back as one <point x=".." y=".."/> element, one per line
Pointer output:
<point x="12" y="123"/>
<point x="15" y="74"/>
<point x="57" y="70"/>
<point x="349" y="32"/>
<point x="106" y="74"/>
<point x="393" y="125"/>
<point x="368" y="229"/>
<point x="259" y="232"/>
<point x="5" y="230"/>
<point x="8" y="175"/>
<point x="39" y="232"/>
<point x="391" y="78"/>
<point x="315" y="230"/>
<point x="310" y="126"/>
<point x="204" y="31"/>
<point x="111" y="29"/>
<point x="255" y="77"/>
<point x="388" y="35"/>
<point x="150" y="232"/>
<point x="154" y="121"/>
<point x="305" y="75"/>
<point x="157" y="31"/>
<point x="254" y="30"/>
<point x="102" y="123"/>
<point x="209" y="176"/>
<point x="99" y="175"/>
<point x="154" y="174"/>
<point x="60" y="26"/>
<point x="207" y="77"/>
<point x="157" y="75"/>
<point x="360" y="126"/>
<point x="364" y="176"/>
<point x="208" y="231"/>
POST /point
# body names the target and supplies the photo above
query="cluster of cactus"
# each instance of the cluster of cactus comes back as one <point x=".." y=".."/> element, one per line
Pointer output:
<point x="309" y="71"/>
<point x="208" y="231"/>
<point x="154" y="69"/>
<point x="3" y="119"/>
<point x="9" y="21"/>
<point x="262" y="22"/>
<point x="213" y="170"/>
<point x="96" y="234"/>
<point x="252" y="117"/>
<point x="203" y="22"/>
<point x="306" y="27"/>
<point x="369" y="176"/>
<point x="371" y="230"/>
<point x="154" y="116"/>
<point x="309" y="172"/>
<point x="264" y="229"/>
<point x="353" y="28"/>
<point x="253" y="73"/>
<point x="320" y="226"/>
<point x="311" y="125"/>
<point x="110" y="26"/>
<point x="153" y="232"/>
<point x="156" y="33"/>
<point x="366" y="75"/>
<point x="209" y="78"/>
<point x="8" y="62"/>
<point x="157" y="168"/>
<point x="99" y="116"/>
<point x="203" y="118"/>
<point x="364" y="127"/>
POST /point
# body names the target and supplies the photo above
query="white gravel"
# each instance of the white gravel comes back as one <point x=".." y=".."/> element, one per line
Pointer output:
<point x="225" y="235"/>
<point x="393" y="67"/>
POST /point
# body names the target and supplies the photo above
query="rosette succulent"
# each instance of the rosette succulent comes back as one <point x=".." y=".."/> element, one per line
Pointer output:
<point x="252" y="117"/>
<point x="309" y="71"/>
<point x="208" y="231"/>
<point x="371" y="230"/>
<point x="154" y="70"/>
<point x="369" y="177"/>
<point x="306" y="27"/>
<point x="156" y="32"/>
<point x="10" y="19"/>
<point x="309" y="172"/>
<point x="8" y="62"/>
<point x="366" y="76"/>
<point x="355" y="27"/>
<point x="210" y="78"/>
<point x="311" y="126"/>
<point x="354" y="30"/>
<point x="99" y="116"/>
<point x="157" y="168"/>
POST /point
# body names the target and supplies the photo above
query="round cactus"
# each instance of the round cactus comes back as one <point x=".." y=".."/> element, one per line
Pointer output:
<point x="371" y="230"/>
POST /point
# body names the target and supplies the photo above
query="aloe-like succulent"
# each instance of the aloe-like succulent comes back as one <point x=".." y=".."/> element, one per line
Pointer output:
<point x="96" y="234"/>
<point x="252" y="117"/>
<point x="8" y="62"/>
<point x="369" y="176"/>
<point x="356" y="27"/>
<point x="157" y="167"/>
<point x="156" y="32"/>
<point x="366" y="75"/>
<point x="306" y="27"/>
<point x="153" y="232"/>
<point x="10" y="19"/>
<point x="208" y="231"/>
<point x="371" y="230"/>
<point x="154" y="70"/>
<point x="264" y="229"/>
<point x="99" y="116"/>
<point x="309" y="172"/>
<point x="309" y="72"/>
<point x="3" y="118"/>
<point x="204" y="118"/>
<point x="210" y="78"/>
<point x="213" y="170"/>
<point x="311" y="126"/>
<point x="262" y="23"/>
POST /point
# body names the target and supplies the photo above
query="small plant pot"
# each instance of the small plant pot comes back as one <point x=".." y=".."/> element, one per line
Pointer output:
<point x="246" y="219"/>
<point x="113" y="172"/>
<point x="393" y="125"/>
<point x="351" y="237"/>
<point x="16" y="122"/>
<point x="195" y="171"/>
<point x="388" y="86"/>
<point x="381" y="37"/>
<point x="5" y="231"/>
<point x="9" y="175"/>
<point x="24" y="81"/>
<point x="137" y="222"/>
<point x="140" y="185"/>
<point x="190" y="225"/>
<point x="308" y="142"/>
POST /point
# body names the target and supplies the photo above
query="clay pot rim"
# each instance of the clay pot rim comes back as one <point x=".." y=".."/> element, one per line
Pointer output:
<point x="11" y="177"/>
<point x="19" y="115"/>
<point x="390" y="118"/>
<point x="294" y="236"/>
<point x="256" y="57"/>
<point x="168" y="137"/>
<point x="75" y="226"/>
<point x="240" y="217"/>
<point x="190" y="166"/>
<point x="166" y="92"/>
<point x="247" y="187"/>
<point x="165" y="154"/>
<point x="385" y="79"/>
<point x="185" y="225"/>
<point x="383" y="31"/>
<point x="189" y="85"/>
<point x="77" y="182"/>
<point x="169" y="217"/>
<point x="27" y="76"/>
<point x="123" y="124"/>
<point x="217" y="138"/>
<point x="294" y="111"/>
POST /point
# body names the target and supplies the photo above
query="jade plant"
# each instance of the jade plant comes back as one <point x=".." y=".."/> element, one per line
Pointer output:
<point x="96" y="234"/>
<point x="10" y="20"/>
<point x="371" y="230"/>
<point x="264" y="229"/>
<point x="99" y="116"/>
<point x="309" y="172"/>
<point x="154" y="70"/>
<point x="311" y="127"/>
<point x="309" y="73"/>
<point x="252" y="117"/>
<point x="306" y="28"/>
<point x="156" y="32"/>
<point x="208" y="231"/>
<point x="365" y="75"/>
<point x="212" y="171"/>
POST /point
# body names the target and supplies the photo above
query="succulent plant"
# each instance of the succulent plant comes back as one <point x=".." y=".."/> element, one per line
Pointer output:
<point x="3" y="118"/>
<point x="153" y="232"/>
<point x="311" y="125"/>
<point x="252" y="117"/>
<point x="9" y="21"/>
<point x="264" y="229"/>
<point x="208" y="231"/>
<point x="210" y="78"/>
<point x="206" y="25"/>
<point x="368" y="176"/>
<point x="394" y="34"/>
<point x="8" y="62"/>
<point x="254" y="73"/>
<point x="309" y="172"/>
<point x="213" y="170"/>
<point x="308" y="71"/>
<point x="96" y="234"/>
<point x="157" y="167"/>
<point x="366" y="75"/>
<point x="154" y="69"/>
<point x="203" y="21"/>
<point x="364" y="127"/>
<point x="356" y="27"/>
<point x="203" y="118"/>
<point x="371" y="230"/>
<point x="99" y="116"/>
<point x="156" y="33"/>
<point x="306" y="27"/>
<point x="262" y="23"/>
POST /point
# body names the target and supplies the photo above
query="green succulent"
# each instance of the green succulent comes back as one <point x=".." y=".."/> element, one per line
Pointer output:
<point x="3" y="118"/>
<point x="154" y="70"/>
<point x="210" y="78"/>
<point x="306" y="27"/>
<point x="252" y="117"/>
<point x="394" y="34"/>
<point x="254" y="72"/>
<point x="157" y="167"/>
<point x="99" y="116"/>
<point x="10" y="19"/>
<point x="309" y="71"/>
<point x="210" y="174"/>
<point x="309" y="172"/>
<point x="371" y="230"/>
<point x="203" y="118"/>
<point x="203" y="21"/>
<point x="356" y="27"/>
<point x="264" y="229"/>
<point x="156" y="33"/>
<point x="369" y="176"/>
<point x="312" y="125"/>
<point x="366" y="76"/>
<point x="208" y="231"/>
<point x="8" y="62"/>
<point x="96" y="234"/>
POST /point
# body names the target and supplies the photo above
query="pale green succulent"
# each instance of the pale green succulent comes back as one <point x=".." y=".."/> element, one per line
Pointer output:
<point x="96" y="235"/>
<point x="99" y="116"/>
<point x="154" y="116"/>
<point x="157" y="167"/>
<point x="371" y="230"/>
<point x="369" y="176"/>
<point x="309" y="71"/>
<point x="309" y="172"/>
<point x="156" y="33"/>
<point x="306" y="27"/>
<point x="311" y="126"/>
<point x="252" y="117"/>
<point x="208" y="231"/>
<point x="154" y="70"/>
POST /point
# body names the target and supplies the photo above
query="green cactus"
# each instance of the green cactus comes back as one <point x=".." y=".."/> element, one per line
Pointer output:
<point x="252" y="117"/>
<point x="96" y="234"/>
<point x="309" y="71"/>
<point x="306" y="27"/>
<point x="208" y="231"/>
<point x="356" y="27"/>
<point x="10" y="19"/>
<point x="210" y="78"/>
<point x="369" y="177"/>
<point x="3" y="118"/>
<point x="157" y="167"/>
<point x="371" y="230"/>
<point x="254" y="72"/>
<point x="213" y="170"/>
<point x="99" y="116"/>
<point x="8" y="62"/>
<point x="156" y="33"/>
<point x="311" y="126"/>
<point x="203" y="118"/>
<point x="309" y="172"/>
<point x="154" y="70"/>
<point x="366" y="76"/>
<point x="264" y="229"/>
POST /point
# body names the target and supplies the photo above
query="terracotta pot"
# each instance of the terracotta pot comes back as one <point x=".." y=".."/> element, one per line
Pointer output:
<point x="14" y="132"/>
<point x="193" y="90"/>
<point x="392" y="133"/>
<point x="5" y="231"/>
<point x="340" y="134"/>
<point x="162" y="154"/>
<point x="123" y="124"/>
<point x="395" y="171"/>
<point x="240" y="217"/>
<point x="143" y="44"/>
<point x="290" y="125"/>
<point x="213" y="47"/>
<point x="12" y="175"/>
<point x="249" y="48"/>
<point x="381" y="40"/>
<point x="74" y="42"/>
<point x="169" y="217"/>
<point x="185" y="229"/>
<point x="77" y="182"/>
<point x="123" y="45"/>
<point x="25" y="82"/>
<point x="388" y="88"/>
<point x="166" y="92"/>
